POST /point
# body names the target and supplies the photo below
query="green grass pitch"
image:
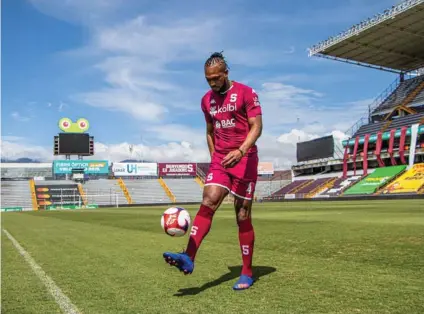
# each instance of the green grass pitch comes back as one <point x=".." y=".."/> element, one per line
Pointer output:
<point x="310" y="257"/>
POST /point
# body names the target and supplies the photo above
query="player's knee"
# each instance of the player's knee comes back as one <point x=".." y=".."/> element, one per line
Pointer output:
<point x="210" y="201"/>
<point x="243" y="214"/>
<point x="243" y="210"/>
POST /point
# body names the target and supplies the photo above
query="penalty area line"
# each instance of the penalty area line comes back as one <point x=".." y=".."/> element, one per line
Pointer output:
<point x="61" y="299"/>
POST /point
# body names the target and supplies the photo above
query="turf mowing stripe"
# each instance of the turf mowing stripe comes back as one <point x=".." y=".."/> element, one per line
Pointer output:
<point x="61" y="299"/>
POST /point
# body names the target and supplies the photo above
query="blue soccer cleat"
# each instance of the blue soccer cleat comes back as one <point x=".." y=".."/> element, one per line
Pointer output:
<point x="245" y="282"/>
<point x="180" y="260"/>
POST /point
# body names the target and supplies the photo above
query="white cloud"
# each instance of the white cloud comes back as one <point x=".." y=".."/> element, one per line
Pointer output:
<point x="19" y="117"/>
<point x="17" y="149"/>
<point x="135" y="103"/>
<point x="287" y="106"/>
<point x="11" y="138"/>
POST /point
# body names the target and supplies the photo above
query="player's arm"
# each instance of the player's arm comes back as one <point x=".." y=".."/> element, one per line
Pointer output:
<point x="209" y="138"/>
<point x="255" y="132"/>
<point x="209" y="128"/>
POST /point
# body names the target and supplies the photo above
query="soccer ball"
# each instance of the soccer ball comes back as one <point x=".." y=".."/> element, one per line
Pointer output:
<point x="175" y="221"/>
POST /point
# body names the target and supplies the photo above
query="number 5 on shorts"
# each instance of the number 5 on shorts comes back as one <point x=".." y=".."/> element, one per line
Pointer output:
<point x="245" y="249"/>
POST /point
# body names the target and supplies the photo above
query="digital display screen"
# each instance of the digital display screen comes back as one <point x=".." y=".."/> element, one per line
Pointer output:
<point x="74" y="144"/>
<point x="316" y="149"/>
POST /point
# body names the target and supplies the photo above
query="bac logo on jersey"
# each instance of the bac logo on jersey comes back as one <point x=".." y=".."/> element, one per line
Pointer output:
<point x="225" y="124"/>
<point x="228" y="123"/>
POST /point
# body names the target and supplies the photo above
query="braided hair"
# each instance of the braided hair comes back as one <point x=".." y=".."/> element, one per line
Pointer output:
<point x="216" y="58"/>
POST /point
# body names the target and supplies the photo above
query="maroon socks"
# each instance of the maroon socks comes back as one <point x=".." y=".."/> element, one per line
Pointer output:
<point x="247" y="241"/>
<point x="200" y="228"/>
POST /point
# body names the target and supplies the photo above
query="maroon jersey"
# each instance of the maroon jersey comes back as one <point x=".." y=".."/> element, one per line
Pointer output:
<point x="229" y="115"/>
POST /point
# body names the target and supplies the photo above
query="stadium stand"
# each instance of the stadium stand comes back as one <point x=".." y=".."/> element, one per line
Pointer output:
<point x="11" y="170"/>
<point x="411" y="182"/>
<point x="147" y="191"/>
<point x="291" y="188"/>
<point x="397" y="123"/>
<point x="402" y="91"/>
<point x="339" y="186"/>
<point x="265" y="188"/>
<point x="314" y="187"/>
<point x="185" y="190"/>
<point x="104" y="192"/>
<point x="16" y="194"/>
<point x="376" y="180"/>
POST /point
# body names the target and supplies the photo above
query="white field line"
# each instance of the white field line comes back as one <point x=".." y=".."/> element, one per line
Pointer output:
<point x="61" y="299"/>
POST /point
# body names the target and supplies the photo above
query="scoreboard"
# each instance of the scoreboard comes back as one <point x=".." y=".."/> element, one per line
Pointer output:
<point x="81" y="144"/>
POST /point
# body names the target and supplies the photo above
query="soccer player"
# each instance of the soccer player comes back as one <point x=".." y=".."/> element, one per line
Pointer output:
<point x="233" y="124"/>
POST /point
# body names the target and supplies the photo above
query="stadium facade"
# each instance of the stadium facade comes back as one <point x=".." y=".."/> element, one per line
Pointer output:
<point x="383" y="155"/>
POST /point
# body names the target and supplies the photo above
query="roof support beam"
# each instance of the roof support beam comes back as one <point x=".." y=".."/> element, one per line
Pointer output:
<point x="359" y="63"/>
<point x="379" y="48"/>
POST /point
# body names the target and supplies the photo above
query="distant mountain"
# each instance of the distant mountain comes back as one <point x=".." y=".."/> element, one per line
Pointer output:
<point x="20" y="160"/>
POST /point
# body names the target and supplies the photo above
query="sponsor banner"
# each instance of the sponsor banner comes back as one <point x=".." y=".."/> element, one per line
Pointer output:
<point x="12" y="209"/>
<point x="134" y="169"/>
<point x="64" y="194"/>
<point x="56" y="207"/>
<point x="89" y="166"/>
<point x="373" y="181"/>
<point x="177" y="169"/>
<point x="410" y="182"/>
<point x="265" y="168"/>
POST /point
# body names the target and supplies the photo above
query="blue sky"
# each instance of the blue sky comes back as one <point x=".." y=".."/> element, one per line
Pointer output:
<point x="134" y="69"/>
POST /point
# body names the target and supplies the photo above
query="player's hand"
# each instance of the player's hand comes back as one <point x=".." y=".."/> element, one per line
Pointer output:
<point x="231" y="159"/>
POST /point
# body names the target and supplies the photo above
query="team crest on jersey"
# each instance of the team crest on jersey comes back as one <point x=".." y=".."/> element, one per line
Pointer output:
<point x="213" y="110"/>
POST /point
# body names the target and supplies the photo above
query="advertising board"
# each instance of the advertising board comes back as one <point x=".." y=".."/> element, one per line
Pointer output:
<point x="64" y="194"/>
<point x="89" y="166"/>
<point x="410" y="182"/>
<point x="132" y="169"/>
<point x="177" y="169"/>
<point x="265" y="168"/>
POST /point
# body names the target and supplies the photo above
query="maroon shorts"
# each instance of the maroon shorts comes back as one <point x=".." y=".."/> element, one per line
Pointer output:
<point x="240" y="180"/>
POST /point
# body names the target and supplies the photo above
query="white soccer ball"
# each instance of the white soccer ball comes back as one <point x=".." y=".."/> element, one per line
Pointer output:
<point x="175" y="221"/>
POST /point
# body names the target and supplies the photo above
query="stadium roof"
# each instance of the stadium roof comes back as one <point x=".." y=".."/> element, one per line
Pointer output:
<point x="392" y="40"/>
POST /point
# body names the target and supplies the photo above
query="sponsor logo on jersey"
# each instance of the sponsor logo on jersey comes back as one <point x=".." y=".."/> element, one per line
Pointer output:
<point x="213" y="111"/>
<point x="225" y="123"/>
<point x="228" y="123"/>
<point x="223" y="109"/>
<point x="213" y="101"/>
<point x="256" y="101"/>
